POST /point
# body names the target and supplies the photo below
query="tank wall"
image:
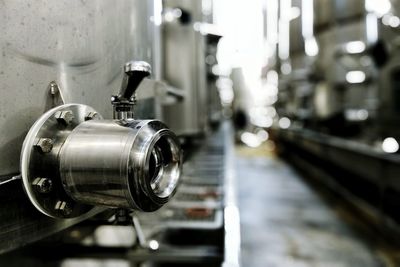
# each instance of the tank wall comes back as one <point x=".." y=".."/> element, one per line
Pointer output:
<point x="184" y="68"/>
<point x="83" y="50"/>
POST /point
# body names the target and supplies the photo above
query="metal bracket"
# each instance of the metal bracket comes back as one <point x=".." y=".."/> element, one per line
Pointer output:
<point x="55" y="97"/>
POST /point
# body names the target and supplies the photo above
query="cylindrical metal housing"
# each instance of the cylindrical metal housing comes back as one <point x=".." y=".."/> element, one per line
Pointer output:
<point x="132" y="164"/>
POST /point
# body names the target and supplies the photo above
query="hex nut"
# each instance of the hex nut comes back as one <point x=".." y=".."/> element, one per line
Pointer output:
<point x="42" y="185"/>
<point x="44" y="145"/>
<point x="63" y="208"/>
<point x="64" y="117"/>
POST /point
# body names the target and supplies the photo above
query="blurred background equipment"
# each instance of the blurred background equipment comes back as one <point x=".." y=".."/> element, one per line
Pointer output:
<point x="340" y="96"/>
<point x="122" y="124"/>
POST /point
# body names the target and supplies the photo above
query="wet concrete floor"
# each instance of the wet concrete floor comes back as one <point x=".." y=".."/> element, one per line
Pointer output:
<point x="286" y="222"/>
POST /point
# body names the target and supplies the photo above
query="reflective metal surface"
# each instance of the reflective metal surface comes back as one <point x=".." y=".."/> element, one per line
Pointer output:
<point x="39" y="160"/>
<point x="184" y="68"/>
<point x="81" y="46"/>
<point x="82" y="50"/>
<point x="328" y="70"/>
<point x="352" y="131"/>
<point x="73" y="160"/>
<point x="204" y="213"/>
<point x="128" y="164"/>
<point x="123" y="103"/>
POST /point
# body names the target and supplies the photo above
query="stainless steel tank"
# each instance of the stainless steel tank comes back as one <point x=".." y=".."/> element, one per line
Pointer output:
<point x="388" y="79"/>
<point x="185" y="67"/>
<point x="73" y="160"/>
<point x="79" y="44"/>
<point x="61" y="64"/>
<point x="342" y="40"/>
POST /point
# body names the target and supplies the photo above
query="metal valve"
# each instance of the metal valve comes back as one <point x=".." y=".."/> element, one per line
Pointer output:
<point x="88" y="161"/>
<point x="123" y="103"/>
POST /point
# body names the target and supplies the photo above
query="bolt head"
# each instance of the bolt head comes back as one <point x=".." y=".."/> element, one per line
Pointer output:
<point x="42" y="185"/>
<point x="54" y="88"/>
<point x="44" y="145"/>
<point x="64" y="117"/>
<point x="91" y="116"/>
<point x="63" y="208"/>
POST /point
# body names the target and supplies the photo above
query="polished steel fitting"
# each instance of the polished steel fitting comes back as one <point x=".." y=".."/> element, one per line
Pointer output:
<point x="88" y="161"/>
<point x="124" y="102"/>
<point x="134" y="165"/>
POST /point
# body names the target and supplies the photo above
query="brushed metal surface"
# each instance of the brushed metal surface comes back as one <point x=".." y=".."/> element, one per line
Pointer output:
<point x="133" y="164"/>
<point x="35" y="163"/>
<point x="79" y="44"/>
<point x="184" y="68"/>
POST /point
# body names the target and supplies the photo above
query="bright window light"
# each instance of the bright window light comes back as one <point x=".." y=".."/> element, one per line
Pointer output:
<point x="262" y="135"/>
<point x="355" y="47"/>
<point x="356" y="114"/>
<point x="294" y="13"/>
<point x="311" y="47"/>
<point x="262" y="121"/>
<point x="372" y="27"/>
<point x="379" y="7"/>
<point x="394" y="21"/>
<point x="390" y="145"/>
<point x="250" y="139"/>
<point x="284" y="123"/>
<point x="154" y="245"/>
<point x="286" y="68"/>
<point x="391" y="20"/>
<point x="356" y="76"/>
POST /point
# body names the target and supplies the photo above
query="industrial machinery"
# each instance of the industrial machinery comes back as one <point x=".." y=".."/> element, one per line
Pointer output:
<point x="338" y="93"/>
<point x="72" y="164"/>
<point x="332" y="86"/>
<point x="72" y="159"/>
<point x="184" y="66"/>
<point x="75" y="153"/>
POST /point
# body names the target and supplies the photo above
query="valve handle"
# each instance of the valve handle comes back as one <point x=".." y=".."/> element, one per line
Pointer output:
<point x="134" y="73"/>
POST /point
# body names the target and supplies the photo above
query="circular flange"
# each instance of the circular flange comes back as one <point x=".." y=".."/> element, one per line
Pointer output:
<point x="40" y="164"/>
<point x="158" y="168"/>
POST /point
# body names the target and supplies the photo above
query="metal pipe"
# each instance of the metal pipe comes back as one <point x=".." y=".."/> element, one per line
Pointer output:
<point x="133" y="165"/>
